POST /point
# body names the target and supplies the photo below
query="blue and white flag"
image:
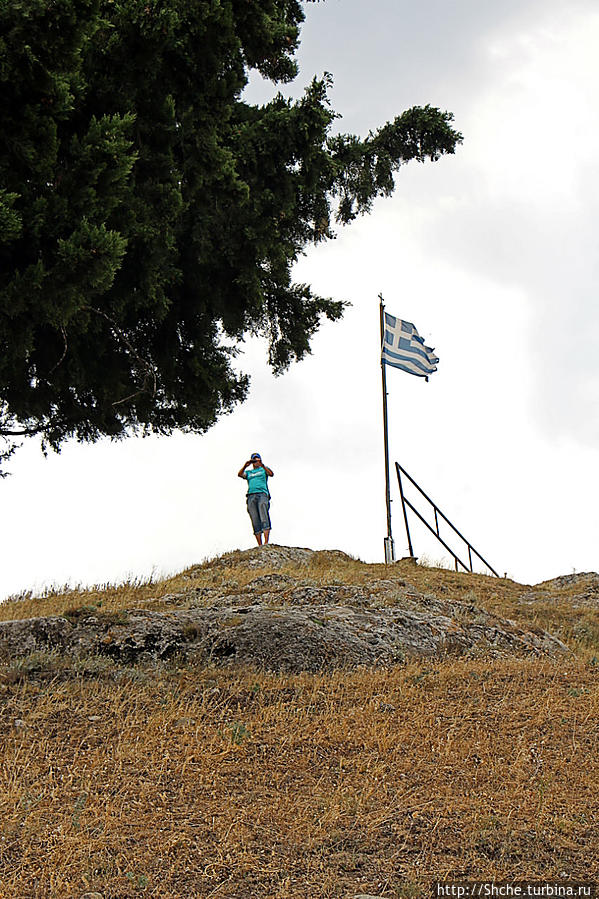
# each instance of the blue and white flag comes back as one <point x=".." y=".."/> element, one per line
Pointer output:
<point x="404" y="348"/>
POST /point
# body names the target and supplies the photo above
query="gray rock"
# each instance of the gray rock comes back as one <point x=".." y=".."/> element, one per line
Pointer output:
<point x="31" y="634"/>
<point x="284" y="623"/>
<point x="587" y="579"/>
<point x="272" y="556"/>
<point x="310" y="637"/>
<point x="578" y="590"/>
<point x="270" y="583"/>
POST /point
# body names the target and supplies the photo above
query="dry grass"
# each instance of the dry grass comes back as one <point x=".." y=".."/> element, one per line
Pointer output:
<point x="229" y="783"/>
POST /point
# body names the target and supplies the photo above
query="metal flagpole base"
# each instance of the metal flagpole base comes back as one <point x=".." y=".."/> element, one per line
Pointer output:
<point x="389" y="550"/>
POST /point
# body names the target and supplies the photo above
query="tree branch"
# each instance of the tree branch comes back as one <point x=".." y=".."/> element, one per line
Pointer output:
<point x="29" y="432"/>
<point x="64" y="352"/>
<point x="150" y="371"/>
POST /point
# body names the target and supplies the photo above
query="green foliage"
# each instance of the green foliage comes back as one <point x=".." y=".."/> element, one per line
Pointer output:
<point x="80" y="804"/>
<point x="140" y="882"/>
<point x="238" y="732"/>
<point x="150" y="218"/>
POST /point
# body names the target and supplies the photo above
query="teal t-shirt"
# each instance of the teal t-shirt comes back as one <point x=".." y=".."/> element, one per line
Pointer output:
<point x="257" y="480"/>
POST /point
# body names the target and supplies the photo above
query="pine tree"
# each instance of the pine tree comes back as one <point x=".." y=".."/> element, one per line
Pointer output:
<point x="150" y="217"/>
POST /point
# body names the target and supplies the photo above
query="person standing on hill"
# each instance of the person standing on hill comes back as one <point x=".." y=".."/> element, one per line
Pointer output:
<point x="258" y="497"/>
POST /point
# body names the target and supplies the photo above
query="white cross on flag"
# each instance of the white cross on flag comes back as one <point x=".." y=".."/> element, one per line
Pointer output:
<point x="404" y="348"/>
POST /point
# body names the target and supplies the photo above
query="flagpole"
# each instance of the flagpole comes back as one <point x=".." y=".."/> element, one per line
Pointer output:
<point x="388" y="542"/>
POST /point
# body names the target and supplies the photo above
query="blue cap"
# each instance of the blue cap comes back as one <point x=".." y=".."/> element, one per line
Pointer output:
<point x="256" y="456"/>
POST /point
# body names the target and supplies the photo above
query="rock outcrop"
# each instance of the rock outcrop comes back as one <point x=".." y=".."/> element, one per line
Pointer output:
<point x="282" y="622"/>
<point x="580" y="590"/>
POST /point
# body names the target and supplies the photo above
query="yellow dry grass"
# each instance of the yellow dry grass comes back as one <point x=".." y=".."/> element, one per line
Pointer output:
<point x="182" y="782"/>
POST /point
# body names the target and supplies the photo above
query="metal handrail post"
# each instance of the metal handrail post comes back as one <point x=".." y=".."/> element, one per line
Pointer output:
<point x="405" y="514"/>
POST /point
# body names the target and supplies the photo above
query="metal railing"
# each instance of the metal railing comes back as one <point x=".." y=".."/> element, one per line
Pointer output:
<point x="435" y="531"/>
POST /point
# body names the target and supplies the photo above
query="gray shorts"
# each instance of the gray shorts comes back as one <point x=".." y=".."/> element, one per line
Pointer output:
<point x="258" y="506"/>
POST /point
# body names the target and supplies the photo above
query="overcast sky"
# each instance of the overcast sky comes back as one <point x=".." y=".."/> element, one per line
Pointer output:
<point x="492" y="254"/>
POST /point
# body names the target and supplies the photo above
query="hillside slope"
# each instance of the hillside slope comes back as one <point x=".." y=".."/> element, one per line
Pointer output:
<point x="366" y="730"/>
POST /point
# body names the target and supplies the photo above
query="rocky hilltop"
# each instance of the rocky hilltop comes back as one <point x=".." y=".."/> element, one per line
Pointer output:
<point x="294" y="609"/>
<point x="280" y="723"/>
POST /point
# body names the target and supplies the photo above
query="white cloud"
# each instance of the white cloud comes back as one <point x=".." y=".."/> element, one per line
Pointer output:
<point x="492" y="253"/>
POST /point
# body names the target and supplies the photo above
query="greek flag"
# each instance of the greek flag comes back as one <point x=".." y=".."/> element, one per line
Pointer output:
<point x="404" y="348"/>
